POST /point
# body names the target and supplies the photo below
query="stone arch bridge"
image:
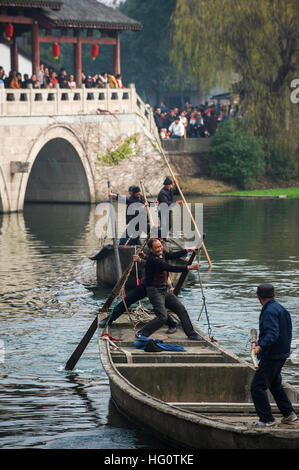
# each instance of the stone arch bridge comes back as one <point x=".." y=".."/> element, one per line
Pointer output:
<point x="52" y="143"/>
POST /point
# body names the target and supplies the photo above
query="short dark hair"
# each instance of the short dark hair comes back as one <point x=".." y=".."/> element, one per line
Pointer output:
<point x="266" y="291"/>
<point x="151" y="242"/>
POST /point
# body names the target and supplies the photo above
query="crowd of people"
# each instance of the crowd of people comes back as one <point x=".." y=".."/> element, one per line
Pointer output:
<point x="190" y="121"/>
<point x="48" y="78"/>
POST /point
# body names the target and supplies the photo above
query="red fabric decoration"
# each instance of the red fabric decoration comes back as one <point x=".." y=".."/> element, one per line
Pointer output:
<point x="94" y="51"/>
<point x="8" y="31"/>
<point x="56" y="50"/>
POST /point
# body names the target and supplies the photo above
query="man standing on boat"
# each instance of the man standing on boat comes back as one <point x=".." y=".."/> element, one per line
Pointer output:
<point x="158" y="292"/>
<point x="273" y="348"/>
<point x="165" y="200"/>
<point x="139" y="202"/>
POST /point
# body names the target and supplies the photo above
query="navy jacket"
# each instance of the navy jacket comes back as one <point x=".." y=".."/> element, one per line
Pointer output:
<point x="275" y="332"/>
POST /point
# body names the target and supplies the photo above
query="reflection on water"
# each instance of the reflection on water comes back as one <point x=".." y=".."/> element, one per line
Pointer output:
<point x="45" y="309"/>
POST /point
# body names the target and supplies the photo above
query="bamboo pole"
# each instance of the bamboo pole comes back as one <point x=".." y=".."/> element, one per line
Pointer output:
<point x="184" y="200"/>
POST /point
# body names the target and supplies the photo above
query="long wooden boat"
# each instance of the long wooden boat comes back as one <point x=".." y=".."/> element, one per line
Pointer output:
<point x="106" y="269"/>
<point x="199" y="398"/>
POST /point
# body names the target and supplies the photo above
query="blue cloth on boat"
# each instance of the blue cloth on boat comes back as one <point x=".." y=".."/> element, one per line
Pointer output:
<point x="143" y="340"/>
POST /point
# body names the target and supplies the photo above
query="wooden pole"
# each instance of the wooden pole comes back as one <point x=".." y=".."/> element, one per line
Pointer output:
<point x="147" y="207"/>
<point x="184" y="200"/>
<point x="14" y="54"/>
<point x="116" y="56"/>
<point x="35" y="49"/>
<point x="78" y="58"/>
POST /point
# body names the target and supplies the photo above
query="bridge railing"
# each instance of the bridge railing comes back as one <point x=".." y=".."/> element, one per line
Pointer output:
<point x="60" y="101"/>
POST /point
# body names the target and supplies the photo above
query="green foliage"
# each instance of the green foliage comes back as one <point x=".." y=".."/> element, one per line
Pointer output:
<point x="236" y="155"/>
<point x="145" y="54"/>
<point x="256" y="42"/>
<point x="125" y="150"/>
<point x="281" y="161"/>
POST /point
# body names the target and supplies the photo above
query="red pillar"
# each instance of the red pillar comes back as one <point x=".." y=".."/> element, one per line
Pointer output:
<point x="116" y="55"/>
<point x="14" y="57"/>
<point x="78" y="58"/>
<point x="35" y="49"/>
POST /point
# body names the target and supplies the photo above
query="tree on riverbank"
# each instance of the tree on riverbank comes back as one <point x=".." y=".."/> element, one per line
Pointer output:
<point x="258" y="41"/>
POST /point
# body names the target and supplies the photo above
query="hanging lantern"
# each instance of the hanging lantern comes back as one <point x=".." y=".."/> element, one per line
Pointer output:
<point x="8" y="31"/>
<point x="56" y="50"/>
<point x="94" y="51"/>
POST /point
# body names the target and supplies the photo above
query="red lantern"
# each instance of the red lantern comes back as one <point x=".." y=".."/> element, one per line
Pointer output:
<point x="56" y="50"/>
<point x="8" y="31"/>
<point x="94" y="51"/>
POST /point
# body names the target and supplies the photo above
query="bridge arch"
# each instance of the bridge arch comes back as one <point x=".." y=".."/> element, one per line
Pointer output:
<point x="60" y="170"/>
<point x="4" y="198"/>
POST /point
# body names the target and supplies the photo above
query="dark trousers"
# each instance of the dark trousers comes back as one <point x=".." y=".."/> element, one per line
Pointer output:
<point x="134" y="296"/>
<point x="161" y="298"/>
<point x="268" y="376"/>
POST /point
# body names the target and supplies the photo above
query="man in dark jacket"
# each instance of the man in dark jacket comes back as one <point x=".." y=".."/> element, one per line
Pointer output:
<point x="165" y="200"/>
<point x="273" y="348"/>
<point x="156" y="274"/>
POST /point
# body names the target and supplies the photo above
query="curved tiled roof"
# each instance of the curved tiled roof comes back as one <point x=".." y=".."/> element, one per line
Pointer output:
<point x="89" y="14"/>
<point x="32" y="3"/>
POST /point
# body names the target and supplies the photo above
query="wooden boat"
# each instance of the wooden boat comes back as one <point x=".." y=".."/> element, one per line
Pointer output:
<point x="197" y="399"/>
<point x="106" y="267"/>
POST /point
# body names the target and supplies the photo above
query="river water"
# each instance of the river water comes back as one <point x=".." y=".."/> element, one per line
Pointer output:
<point x="45" y="309"/>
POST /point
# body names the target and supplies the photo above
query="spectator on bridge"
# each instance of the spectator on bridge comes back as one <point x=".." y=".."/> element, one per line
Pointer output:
<point x="158" y="119"/>
<point x="14" y="80"/>
<point x="53" y="80"/>
<point x="112" y="81"/>
<point x="184" y="120"/>
<point x="119" y="81"/>
<point x="71" y="81"/>
<point x="176" y="129"/>
<point x="104" y="78"/>
<point x="169" y="118"/>
<point x="62" y="75"/>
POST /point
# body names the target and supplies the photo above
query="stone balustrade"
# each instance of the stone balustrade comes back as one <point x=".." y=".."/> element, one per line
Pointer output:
<point x="83" y="101"/>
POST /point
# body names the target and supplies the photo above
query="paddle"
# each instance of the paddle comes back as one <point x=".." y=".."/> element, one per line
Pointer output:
<point x="115" y="247"/>
<point x="253" y="340"/>
<point x="91" y="330"/>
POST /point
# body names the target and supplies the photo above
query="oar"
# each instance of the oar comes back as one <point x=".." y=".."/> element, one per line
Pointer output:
<point x="91" y="330"/>
<point x="183" y="276"/>
<point x="184" y="200"/>
<point x="253" y="355"/>
<point x="115" y="247"/>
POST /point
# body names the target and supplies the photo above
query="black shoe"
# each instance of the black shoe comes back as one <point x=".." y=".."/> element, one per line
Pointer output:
<point x="151" y="346"/>
<point x="171" y="330"/>
<point x="138" y="334"/>
<point x="195" y="337"/>
<point x="103" y="322"/>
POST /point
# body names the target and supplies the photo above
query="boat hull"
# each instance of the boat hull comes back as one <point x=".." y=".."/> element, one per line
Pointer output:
<point x="106" y="267"/>
<point x="146" y="391"/>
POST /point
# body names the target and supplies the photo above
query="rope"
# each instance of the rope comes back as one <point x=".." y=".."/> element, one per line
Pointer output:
<point x="128" y="354"/>
<point x="204" y="306"/>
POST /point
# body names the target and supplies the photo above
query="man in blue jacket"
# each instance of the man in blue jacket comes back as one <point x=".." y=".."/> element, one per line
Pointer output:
<point x="273" y="348"/>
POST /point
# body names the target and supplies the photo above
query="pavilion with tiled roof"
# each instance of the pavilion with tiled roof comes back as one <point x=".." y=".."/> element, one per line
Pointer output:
<point x="81" y="17"/>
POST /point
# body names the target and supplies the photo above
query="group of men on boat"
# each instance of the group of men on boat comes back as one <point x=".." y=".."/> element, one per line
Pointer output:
<point x="275" y="325"/>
